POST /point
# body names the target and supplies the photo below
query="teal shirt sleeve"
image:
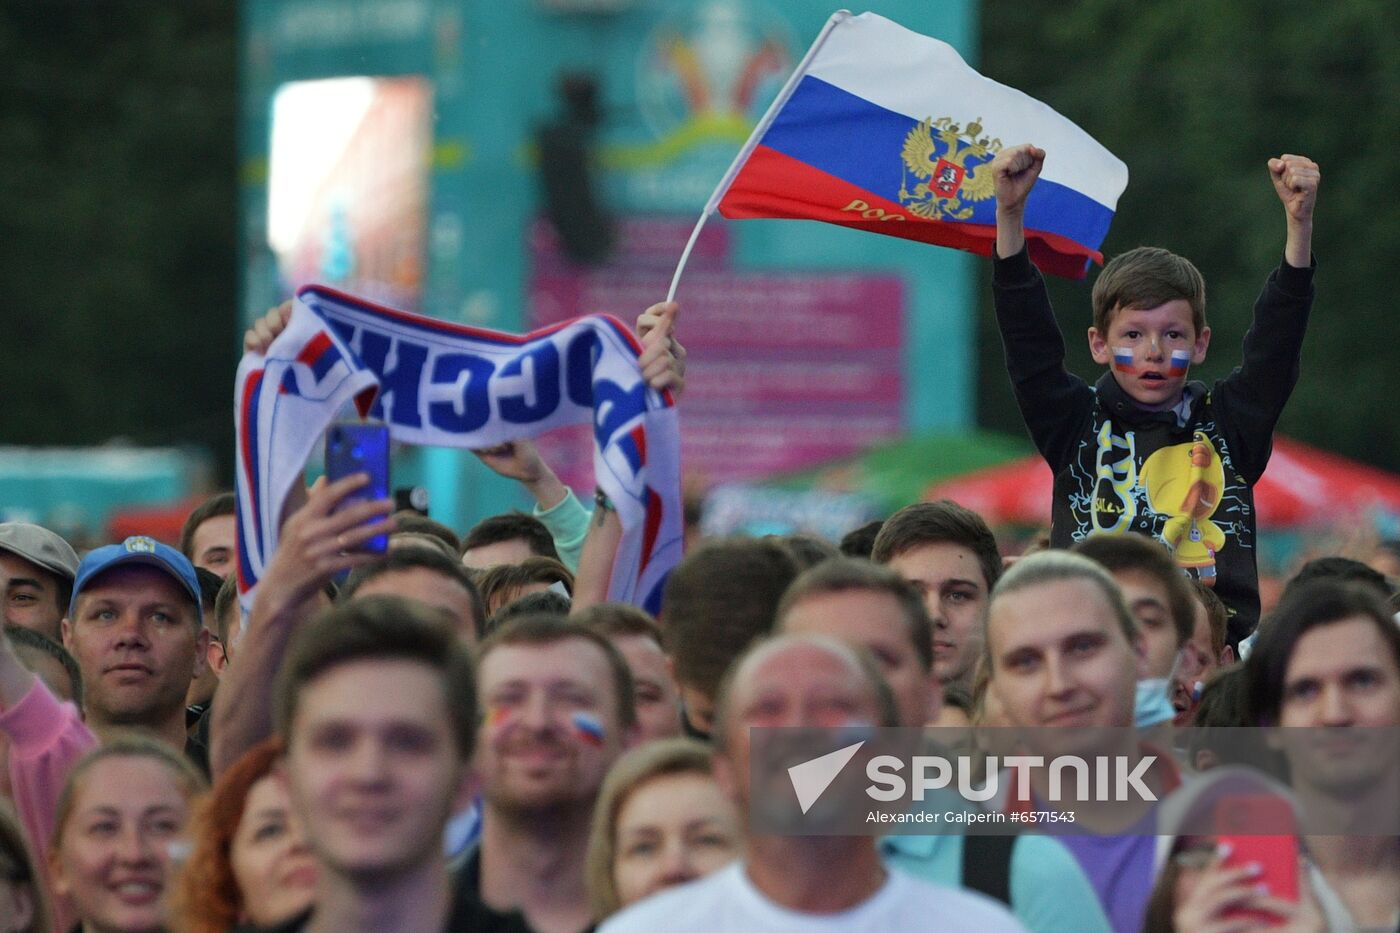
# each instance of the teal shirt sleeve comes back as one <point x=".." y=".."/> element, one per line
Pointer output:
<point x="567" y="521"/>
<point x="1049" y="891"/>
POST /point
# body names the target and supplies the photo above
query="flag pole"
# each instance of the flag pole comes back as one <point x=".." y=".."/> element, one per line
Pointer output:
<point x="768" y="117"/>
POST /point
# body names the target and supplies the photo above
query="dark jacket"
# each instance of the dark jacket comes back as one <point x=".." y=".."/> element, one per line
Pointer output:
<point x="1197" y="494"/>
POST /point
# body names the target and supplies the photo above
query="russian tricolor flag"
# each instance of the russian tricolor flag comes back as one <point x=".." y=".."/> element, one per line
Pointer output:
<point x="886" y="130"/>
<point x="1123" y="360"/>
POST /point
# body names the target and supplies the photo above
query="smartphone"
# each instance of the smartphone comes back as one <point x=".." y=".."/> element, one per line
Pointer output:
<point x="1241" y="822"/>
<point x="361" y="447"/>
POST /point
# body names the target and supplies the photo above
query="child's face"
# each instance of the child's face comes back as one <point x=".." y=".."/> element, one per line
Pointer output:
<point x="1150" y="350"/>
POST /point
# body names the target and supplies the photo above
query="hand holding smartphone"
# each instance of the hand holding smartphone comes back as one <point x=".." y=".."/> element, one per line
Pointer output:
<point x="1240" y="821"/>
<point x="360" y="447"/>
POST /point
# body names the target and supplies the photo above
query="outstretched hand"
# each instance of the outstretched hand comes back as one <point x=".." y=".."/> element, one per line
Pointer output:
<point x="1296" y="179"/>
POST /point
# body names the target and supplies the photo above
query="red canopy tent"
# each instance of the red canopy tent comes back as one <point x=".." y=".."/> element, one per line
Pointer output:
<point x="1303" y="485"/>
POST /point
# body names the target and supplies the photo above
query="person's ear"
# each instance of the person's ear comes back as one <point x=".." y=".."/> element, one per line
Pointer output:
<point x="201" y="652"/>
<point x="65" y="629"/>
<point x="1227" y="656"/>
<point x="216" y="657"/>
<point x="1099" y="348"/>
<point x="1198" y="351"/>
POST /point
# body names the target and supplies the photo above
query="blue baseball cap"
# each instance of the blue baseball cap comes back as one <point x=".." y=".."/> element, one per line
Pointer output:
<point x="139" y="549"/>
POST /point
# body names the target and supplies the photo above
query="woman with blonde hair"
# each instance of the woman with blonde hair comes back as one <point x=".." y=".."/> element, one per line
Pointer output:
<point x="119" y="830"/>
<point x="250" y="863"/>
<point x="661" y="820"/>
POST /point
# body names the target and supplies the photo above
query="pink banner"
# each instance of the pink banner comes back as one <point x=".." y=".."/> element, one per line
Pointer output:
<point x="786" y="370"/>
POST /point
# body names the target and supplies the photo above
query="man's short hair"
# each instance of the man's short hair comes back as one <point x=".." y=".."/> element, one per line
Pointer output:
<point x="851" y="575"/>
<point x="1342" y="569"/>
<point x="807" y="550"/>
<point x="941" y="522"/>
<point x="420" y="558"/>
<point x="227" y="613"/>
<point x="860" y="542"/>
<point x="1216" y="614"/>
<point x="544" y="630"/>
<point x="718" y="599"/>
<point x="1145" y="278"/>
<point x="886" y="706"/>
<point x="621" y="620"/>
<point x="409" y="521"/>
<point x="222" y="503"/>
<point x="381" y="628"/>
<point x="1306" y="607"/>
<point x="546" y="602"/>
<point x="1134" y="552"/>
<point x="1046" y="567"/>
<point x="1219" y="719"/>
<point x="511" y="526"/>
<point x="402" y="539"/>
<point x="497" y="582"/>
<point x="22" y="637"/>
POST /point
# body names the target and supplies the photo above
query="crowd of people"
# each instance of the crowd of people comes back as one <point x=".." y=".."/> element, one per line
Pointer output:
<point x="462" y="734"/>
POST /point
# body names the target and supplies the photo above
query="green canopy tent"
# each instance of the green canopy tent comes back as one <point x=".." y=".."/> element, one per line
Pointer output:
<point x="896" y="474"/>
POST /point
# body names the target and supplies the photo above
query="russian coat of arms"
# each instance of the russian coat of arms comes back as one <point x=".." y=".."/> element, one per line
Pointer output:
<point x="948" y="162"/>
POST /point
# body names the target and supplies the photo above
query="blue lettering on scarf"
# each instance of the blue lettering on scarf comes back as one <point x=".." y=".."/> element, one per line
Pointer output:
<point x="545" y="359"/>
<point x="476" y="401"/>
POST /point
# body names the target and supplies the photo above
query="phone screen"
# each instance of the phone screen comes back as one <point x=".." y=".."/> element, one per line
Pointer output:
<point x="361" y="447"/>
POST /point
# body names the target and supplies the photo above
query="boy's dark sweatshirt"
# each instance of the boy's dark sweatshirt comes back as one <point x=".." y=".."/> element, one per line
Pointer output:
<point x="1097" y="438"/>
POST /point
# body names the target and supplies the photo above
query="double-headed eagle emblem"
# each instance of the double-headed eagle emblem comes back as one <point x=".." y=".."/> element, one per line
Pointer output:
<point x="949" y="162"/>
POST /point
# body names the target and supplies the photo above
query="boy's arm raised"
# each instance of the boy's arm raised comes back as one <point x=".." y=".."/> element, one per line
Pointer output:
<point x="1014" y="171"/>
<point x="1253" y="396"/>
<point x="1296" y="179"/>
<point x="1053" y="402"/>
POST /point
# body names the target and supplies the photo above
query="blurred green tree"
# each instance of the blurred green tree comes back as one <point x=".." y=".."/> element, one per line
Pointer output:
<point x="118" y="176"/>
<point x="1195" y="97"/>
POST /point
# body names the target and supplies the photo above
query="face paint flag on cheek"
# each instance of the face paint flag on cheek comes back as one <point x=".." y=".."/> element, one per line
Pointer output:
<point x="497" y="716"/>
<point x="1181" y="361"/>
<point x="1123" y="360"/>
<point x="589" y="729"/>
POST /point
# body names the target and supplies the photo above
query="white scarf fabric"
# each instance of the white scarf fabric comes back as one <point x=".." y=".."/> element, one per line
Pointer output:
<point x="447" y="385"/>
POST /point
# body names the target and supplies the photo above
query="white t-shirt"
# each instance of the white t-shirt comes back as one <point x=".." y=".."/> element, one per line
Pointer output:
<point x="727" y="900"/>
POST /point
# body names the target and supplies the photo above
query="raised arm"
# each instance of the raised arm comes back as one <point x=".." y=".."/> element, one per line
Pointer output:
<point x="663" y="365"/>
<point x="317" y="543"/>
<point x="1296" y="179"/>
<point x="1014" y="171"/>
